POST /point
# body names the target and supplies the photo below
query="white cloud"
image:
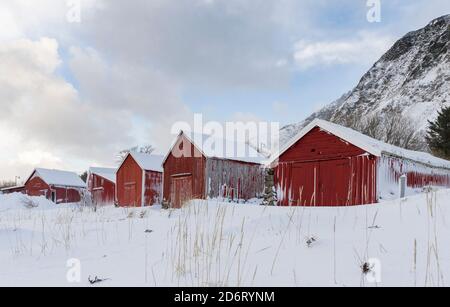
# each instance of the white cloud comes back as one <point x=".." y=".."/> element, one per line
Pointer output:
<point x="8" y="27"/>
<point x="117" y="78"/>
<point x="44" y="111"/>
<point x="209" y="44"/>
<point x="21" y="17"/>
<point x="151" y="98"/>
<point x="367" y="47"/>
<point x="38" y="158"/>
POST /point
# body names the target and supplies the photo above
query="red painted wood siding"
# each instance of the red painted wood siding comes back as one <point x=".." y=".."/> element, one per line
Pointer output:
<point x="320" y="145"/>
<point x="181" y="190"/>
<point x="13" y="190"/>
<point x="342" y="182"/>
<point x="129" y="184"/>
<point x="418" y="175"/>
<point x="192" y="164"/>
<point x="153" y="188"/>
<point x="66" y="195"/>
<point x="419" y="180"/>
<point x="37" y="187"/>
<point x="102" y="190"/>
<point x="323" y="170"/>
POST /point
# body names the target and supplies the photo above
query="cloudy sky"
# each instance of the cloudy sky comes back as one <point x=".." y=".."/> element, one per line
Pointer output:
<point x="74" y="91"/>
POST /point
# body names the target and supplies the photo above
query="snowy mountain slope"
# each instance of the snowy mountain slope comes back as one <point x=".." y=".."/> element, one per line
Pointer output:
<point x="413" y="77"/>
<point x="326" y="113"/>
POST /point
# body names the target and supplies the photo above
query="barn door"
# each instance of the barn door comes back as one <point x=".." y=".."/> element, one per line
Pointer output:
<point x="304" y="184"/>
<point x="53" y="197"/>
<point x="181" y="191"/>
<point x="324" y="183"/>
<point x="334" y="183"/>
<point x="130" y="195"/>
<point x="97" y="196"/>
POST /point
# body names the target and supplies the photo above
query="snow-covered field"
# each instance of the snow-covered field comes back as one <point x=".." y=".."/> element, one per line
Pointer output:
<point x="219" y="244"/>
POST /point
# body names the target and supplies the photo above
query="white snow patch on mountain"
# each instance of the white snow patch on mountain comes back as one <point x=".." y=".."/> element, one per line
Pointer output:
<point x="413" y="76"/>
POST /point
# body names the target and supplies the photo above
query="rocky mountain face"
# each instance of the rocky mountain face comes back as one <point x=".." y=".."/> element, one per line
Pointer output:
<point x="413" y="78"/>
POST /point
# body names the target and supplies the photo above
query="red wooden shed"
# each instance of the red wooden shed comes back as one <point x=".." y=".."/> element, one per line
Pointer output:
<point x="11" y="190"/>
<point x="330" y="165"/>
<point x="101" y="184"/>
<point x="139" y="180"/>
<point x="201" y="167"/>
<point x="58" y="186"/>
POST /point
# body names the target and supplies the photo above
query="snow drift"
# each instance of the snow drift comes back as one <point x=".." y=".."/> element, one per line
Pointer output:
<point x="210" y="243"/>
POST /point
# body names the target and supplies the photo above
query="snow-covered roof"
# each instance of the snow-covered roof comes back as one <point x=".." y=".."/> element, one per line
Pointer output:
<point x="148" y="162"/>
<point x="214" y="147"/>
<point x="13" y="188"/>
<point x="58" y="178"/>
<point x="371" y="145"/>
<point x="107" y="173"/>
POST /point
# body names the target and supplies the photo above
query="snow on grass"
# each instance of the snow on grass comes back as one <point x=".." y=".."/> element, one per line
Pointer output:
<point x="16" y="201"/>
<point x="209" y="243"/>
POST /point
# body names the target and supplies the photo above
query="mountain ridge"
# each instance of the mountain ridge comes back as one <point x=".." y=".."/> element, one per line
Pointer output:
<point x="412" y="77"/>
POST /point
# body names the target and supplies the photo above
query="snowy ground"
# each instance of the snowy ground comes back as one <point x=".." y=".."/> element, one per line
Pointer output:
<point x="219" y="244"/>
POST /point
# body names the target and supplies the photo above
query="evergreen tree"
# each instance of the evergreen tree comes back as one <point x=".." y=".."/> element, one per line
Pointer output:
<point x="270" y="194"/>
<point x="84" y="176"/>
<point x="438" y="134"/>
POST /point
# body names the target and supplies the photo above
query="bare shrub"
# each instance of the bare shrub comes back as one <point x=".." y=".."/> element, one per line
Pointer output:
<point x="86" y="200"/>
<point x="147" y="149"/>
<point x="29" y="203"/>
<point x="310" y="241"/>
<point x="96" y="280"/>
<point x="389" y="126"/>
<point x="366" y="268"/>
<point x="165" y="205"/>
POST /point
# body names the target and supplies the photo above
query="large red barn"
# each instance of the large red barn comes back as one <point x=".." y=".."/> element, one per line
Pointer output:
<point x="57" y="186"/>
<point x="330" y="165"/>
<point x="101" y="184"/>
<point x="139" y="180"/>
<point x="201" y="167"/>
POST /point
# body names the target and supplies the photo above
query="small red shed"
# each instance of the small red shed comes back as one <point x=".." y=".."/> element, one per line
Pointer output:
<point x="57" y="186"/>
<point x="11" y="190"/>
<point x="330" y="165"/>
<point x="139" y="180"/>
<point x="201" y="167"/>
<point x="101" y="184"/>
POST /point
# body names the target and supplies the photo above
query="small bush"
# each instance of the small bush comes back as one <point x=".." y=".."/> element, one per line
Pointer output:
<point x="29" y="203"/>
<point x="165" y="205"/>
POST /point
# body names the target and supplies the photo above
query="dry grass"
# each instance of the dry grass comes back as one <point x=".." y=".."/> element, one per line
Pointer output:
<point x="209" y="244"/>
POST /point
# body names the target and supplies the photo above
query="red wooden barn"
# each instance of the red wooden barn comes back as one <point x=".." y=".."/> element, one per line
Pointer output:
<point x="58" y="186"/>
<point x="101" y="184"/>
<point x="139" y="180"/>
<point x="10" y="190"/>
<point x="201" y="167"/>
<point x="330" y="165"/>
